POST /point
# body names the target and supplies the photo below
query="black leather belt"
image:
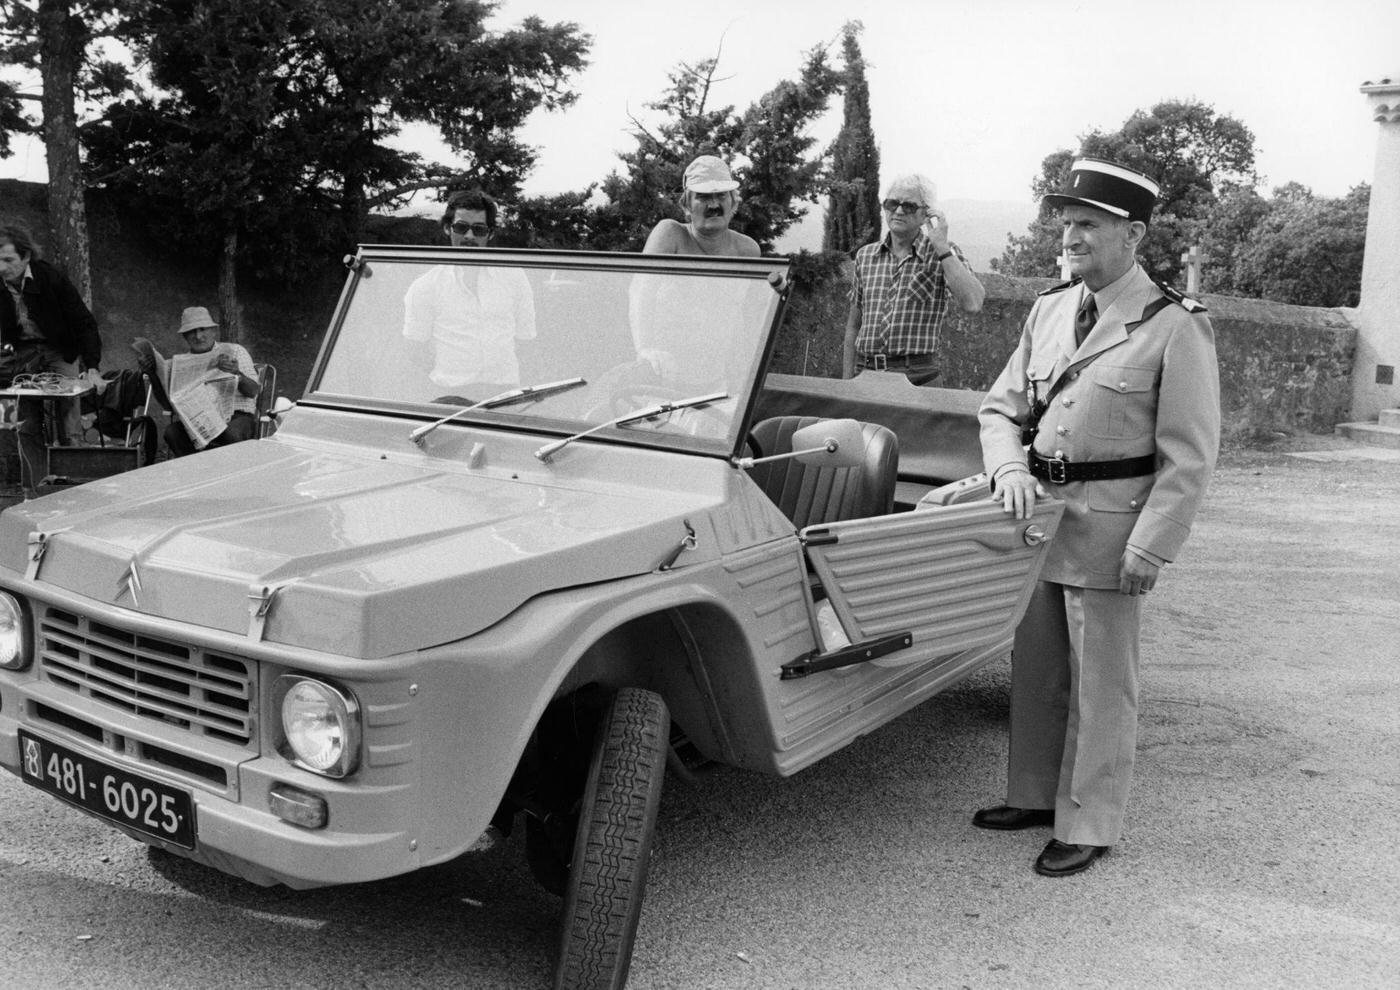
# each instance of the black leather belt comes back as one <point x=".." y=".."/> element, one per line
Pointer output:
<point x="1057" y="470"/>
<point x="879" y="362"/>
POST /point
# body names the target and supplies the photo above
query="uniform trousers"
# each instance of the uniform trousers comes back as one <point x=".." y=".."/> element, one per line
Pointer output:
<point x="1074" y="701"/>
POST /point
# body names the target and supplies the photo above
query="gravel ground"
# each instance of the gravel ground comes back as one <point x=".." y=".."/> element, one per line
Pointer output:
<point x="1260" y="850"/>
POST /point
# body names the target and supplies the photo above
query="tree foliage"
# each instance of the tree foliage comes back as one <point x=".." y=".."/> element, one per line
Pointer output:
<point x="97" y="74"/>
<point x="339" y="79"/>
<point x="781" y="174"/>
<point x="853" y="207"/>
<point x="1293" y="248"/>
<point x="12" y="118"/>
<point x="1193" y="152"/>
<point x="766" y="146"/>
<point x="269" y="123"/>
<point x="645" y="191"/>
<point x="59" y="40"/>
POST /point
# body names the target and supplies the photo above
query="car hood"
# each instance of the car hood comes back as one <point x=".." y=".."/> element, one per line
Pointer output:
<point x="342" y="553"/>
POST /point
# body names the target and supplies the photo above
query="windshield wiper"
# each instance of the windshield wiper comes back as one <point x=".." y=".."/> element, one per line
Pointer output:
<point x="650" y="412"/>
<point x="506" y="398"/>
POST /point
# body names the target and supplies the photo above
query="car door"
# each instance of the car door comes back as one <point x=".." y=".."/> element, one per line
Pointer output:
<point x="943" y="579"/>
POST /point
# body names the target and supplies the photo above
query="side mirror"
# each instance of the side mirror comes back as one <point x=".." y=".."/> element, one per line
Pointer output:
<point x="833" y="443"/>
<point x="829" y="443"/>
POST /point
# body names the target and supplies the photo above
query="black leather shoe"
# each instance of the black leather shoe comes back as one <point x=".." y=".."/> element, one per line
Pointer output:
<point x="1060" y="859"/>
<point x="1008" y="819"/>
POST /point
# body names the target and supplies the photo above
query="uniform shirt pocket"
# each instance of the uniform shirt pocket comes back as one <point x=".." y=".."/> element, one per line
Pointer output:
<point x="1039" y="369"/>
<point x="1122" y="403"/>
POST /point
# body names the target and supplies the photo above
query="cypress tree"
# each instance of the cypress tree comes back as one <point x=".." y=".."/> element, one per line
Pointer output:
<point x="853" y="209"/>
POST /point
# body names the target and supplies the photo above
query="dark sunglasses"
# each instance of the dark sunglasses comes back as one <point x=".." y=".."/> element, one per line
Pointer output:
<point x="901" y="206"/>
<point x="475" y="229"/>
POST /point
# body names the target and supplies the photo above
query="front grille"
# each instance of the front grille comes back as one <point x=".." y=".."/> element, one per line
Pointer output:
<point x="203" y="692"/>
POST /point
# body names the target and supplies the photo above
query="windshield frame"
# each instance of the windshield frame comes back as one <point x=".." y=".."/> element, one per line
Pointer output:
<point x="769" y="270"/>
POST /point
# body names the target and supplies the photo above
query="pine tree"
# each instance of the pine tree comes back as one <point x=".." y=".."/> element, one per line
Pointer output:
<point x="853" y="209"/>
<point x="768" y="145"/>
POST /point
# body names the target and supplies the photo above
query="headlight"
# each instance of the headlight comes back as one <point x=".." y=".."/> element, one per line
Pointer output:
<point x="321" y="725"/>
<point x="14" y="634"/>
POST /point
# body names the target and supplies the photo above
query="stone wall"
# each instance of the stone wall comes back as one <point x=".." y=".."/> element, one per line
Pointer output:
<point x="1283" y="369"/>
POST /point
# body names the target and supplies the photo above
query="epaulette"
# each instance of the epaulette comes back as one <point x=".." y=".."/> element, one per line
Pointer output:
<point x="1185" y="302"/>
<point x="1061" y="287"/>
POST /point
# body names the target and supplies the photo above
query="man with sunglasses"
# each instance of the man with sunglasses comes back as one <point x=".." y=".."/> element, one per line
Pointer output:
<point x="468" y="317"/>
<point x="904" y="284"/>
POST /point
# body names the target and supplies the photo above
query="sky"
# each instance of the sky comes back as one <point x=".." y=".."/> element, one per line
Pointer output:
<point x="975" y="93"/>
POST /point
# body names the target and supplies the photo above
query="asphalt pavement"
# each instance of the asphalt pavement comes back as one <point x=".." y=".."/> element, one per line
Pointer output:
<point x="1260" y="851"/>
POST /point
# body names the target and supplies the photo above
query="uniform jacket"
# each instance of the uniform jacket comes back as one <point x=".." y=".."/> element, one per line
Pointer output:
<point x="1134" y="387"/>
<point x="57" y="310"/>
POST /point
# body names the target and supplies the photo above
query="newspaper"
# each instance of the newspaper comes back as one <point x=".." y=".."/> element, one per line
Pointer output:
<point x="200" y="394"/>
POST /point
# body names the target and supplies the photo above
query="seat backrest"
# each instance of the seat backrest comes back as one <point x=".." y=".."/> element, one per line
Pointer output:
<point x="809" y="494"/>
<point x="123" y="399"/>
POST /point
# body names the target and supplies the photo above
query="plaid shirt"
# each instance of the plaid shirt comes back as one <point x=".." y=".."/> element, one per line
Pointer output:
<point x="902" y="303"/>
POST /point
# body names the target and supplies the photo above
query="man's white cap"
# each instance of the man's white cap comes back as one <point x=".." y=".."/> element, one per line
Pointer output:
<point x="708" y="174"/>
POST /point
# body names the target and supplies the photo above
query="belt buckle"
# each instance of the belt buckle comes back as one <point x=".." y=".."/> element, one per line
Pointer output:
<point x="1056" y="467"/>
<point x="882" y="362"/>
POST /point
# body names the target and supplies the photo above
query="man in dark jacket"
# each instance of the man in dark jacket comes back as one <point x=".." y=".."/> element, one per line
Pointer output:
<point x="44" y="326"/>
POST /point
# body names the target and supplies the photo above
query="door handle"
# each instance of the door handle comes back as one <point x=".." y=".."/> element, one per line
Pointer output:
<point x="1005" y="541"/>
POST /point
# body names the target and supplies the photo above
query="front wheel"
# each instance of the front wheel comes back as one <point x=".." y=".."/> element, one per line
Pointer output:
<point x="607" y="875"/>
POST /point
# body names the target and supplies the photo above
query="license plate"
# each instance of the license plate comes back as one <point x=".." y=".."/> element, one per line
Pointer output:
<point x="145" y="806"/>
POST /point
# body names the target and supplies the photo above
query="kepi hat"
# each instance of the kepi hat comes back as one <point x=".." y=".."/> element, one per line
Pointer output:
<point x="1113" y="188"/>
<point x="708" y="174"/>
<point x="195" y="318"/>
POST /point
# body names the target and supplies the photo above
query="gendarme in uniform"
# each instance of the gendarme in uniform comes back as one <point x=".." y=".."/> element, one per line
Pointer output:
<point x="1114" y="387"/>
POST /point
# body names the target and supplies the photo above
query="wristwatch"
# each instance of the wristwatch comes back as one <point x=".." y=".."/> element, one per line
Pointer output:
<point x="940" y="258"/>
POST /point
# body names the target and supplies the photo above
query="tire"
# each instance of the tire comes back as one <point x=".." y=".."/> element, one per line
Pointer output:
<point x="607" y="875"/>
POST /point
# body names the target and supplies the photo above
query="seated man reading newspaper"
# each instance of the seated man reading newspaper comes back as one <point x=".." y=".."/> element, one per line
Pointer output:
<point x="212" y="390"/>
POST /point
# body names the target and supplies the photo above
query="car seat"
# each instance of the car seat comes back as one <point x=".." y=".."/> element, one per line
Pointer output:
<point x="812" y="494"/>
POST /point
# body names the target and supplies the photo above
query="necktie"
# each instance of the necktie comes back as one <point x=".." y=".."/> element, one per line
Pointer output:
<point x="1085" y="319"/>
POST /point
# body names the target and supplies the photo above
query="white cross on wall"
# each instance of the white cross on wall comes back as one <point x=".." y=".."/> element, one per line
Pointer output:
<point x="1194" y="259"/>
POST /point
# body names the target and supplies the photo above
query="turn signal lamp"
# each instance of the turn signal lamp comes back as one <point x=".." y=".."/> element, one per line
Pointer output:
<point x="297" y="806"/>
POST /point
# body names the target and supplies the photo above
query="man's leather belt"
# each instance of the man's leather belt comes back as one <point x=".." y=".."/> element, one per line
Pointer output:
<point x="1057" y="470"/>
<point x="879" y="362"/>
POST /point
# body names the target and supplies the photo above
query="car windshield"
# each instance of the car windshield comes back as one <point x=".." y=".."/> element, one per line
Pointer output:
<point x="564" y="343"/>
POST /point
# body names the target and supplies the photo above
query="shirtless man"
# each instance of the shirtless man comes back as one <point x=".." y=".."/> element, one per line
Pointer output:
<point x="678" y="335"/>
<point x="709" y="199"/>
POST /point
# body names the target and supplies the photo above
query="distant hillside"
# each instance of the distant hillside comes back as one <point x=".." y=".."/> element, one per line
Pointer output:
<point x="979" y="226"/>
